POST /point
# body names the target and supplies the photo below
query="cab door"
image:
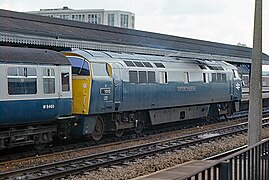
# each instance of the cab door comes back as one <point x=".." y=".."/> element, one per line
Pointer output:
<point x="81" y="85"/>
<point x="117" y="82"/>
<point x="236" y="86"/>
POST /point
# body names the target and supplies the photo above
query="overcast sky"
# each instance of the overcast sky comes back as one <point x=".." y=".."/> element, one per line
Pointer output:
<point x="224" y="21"/>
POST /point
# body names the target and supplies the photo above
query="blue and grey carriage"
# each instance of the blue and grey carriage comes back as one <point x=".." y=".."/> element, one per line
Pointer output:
<point x="35" y="93"/>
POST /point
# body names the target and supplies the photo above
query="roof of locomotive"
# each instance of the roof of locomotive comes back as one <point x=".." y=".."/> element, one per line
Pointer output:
<point x="169" y="62"/>
<point x="31" y="56"/>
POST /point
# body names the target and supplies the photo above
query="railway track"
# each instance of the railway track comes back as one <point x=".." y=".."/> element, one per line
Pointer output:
<point x="87" y="163"/>
<point x="19" y="153"/>
<point x="15" y="154"/>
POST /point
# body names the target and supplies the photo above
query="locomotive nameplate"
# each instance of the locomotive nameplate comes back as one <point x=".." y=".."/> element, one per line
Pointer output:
<point x="186" y="88"/>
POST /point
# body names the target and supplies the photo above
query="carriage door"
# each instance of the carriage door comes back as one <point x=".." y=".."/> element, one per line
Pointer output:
<point x="65" y="93"/>
<point x="117" y="82"/>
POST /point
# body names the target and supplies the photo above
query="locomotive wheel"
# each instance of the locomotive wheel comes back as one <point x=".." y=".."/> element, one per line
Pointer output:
<point x="39" y="147"/>
<point x="98" y="129"/>
<point x="213" y="115"/>
<point x="139" y="128"/>
<point x="118" y="133"/>
<point x="140" y="124"/>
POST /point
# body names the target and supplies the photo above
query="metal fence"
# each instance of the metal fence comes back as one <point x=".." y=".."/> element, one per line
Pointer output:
<point x="248" y="164"/>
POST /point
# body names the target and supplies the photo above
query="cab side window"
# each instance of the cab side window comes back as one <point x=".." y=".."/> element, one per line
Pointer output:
<point x="100" y="69"/>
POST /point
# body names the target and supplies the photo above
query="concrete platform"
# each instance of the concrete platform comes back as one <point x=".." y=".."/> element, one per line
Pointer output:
<point x="178" y="172"/>
<point x="245" y="97"/>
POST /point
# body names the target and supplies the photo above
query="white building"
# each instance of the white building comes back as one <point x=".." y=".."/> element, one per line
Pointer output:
<point x="97" y="16"/>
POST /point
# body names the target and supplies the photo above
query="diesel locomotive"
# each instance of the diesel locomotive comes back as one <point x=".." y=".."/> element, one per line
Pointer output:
<point x="77" y="93"/>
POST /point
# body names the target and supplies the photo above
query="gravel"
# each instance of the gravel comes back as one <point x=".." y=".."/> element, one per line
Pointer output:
<point x="39" y="160"/>
<point x="163" y="161"/>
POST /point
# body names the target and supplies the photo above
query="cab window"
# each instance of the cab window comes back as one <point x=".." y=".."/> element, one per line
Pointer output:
<point x="235" y="74"/>
<point x="79" y="66"/>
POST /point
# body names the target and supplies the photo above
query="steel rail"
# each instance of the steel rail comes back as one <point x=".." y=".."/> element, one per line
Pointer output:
<point x="87" y="163"/>
<point x="17" y="154"/>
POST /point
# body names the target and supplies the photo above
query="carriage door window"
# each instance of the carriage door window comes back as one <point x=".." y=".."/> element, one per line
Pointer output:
<point x="49" y="80"/>
<point x="21" y="80"/>
<point x="65" y="82"/>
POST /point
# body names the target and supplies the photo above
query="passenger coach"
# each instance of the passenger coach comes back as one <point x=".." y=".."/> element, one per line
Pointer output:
<point x="35" y="92"/>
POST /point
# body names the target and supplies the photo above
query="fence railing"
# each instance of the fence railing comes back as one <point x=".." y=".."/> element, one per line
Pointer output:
<point x="248" y="164"/>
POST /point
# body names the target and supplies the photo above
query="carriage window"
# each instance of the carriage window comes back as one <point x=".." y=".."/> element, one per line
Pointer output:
<point x="133" y="77"/>
<point x="21" y="80"/>
<point x="151" y="77"/>
<point x="202" y="66"/>
<point x="138" y="64"/>
<point x="142" y="77"/>
<point x="79" y="66"/>
<point x="100" y="69"/>
<point x="214" y="77"/>
<point x="65" y="82"/>
<point x="159" y="65"/>
<point x="147" y="64"/>
<point x="49" y="81"/>
<point x="223" y="78"/>
<point x="129" y="63"/>
<point x="219" y="77"/>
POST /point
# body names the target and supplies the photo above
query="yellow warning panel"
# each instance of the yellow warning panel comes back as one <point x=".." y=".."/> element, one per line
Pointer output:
<point x="81" y="94"/>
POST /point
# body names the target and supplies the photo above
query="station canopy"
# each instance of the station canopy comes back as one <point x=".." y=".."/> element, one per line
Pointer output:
<point x="22" y="29"/>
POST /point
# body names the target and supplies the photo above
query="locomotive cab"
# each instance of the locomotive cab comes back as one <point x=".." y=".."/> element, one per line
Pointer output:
<point x="92" y="93"/>
<point x="236" y="86"/>
<point x="81" y="84"/>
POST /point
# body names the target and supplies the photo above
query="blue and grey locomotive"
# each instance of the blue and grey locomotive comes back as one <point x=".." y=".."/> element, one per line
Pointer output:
<point x="118" y="91"/>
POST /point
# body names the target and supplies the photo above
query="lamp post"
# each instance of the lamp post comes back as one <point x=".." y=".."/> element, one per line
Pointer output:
<point x="255" y="101"/>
